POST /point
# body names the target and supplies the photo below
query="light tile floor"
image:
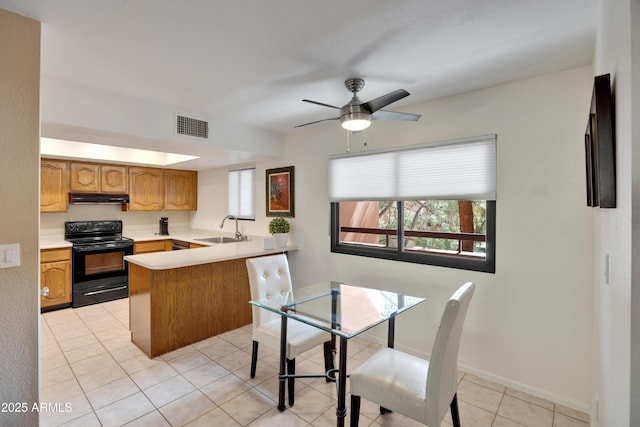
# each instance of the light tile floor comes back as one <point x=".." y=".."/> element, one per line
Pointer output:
<point x="99" y="378"/>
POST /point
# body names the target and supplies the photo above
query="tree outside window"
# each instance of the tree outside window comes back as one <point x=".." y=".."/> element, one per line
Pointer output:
<point x="445" y="229"/>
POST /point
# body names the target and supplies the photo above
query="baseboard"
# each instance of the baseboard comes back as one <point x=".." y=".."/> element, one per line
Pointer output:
<point x="562" y="400"/>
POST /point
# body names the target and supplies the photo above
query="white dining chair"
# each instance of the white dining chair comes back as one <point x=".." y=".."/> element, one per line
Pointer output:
<point x="269" y="277"/>
<point x="420" y="389"/>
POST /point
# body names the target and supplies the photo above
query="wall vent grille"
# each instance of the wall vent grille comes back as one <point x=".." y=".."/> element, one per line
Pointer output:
<point x="192" y="127"/>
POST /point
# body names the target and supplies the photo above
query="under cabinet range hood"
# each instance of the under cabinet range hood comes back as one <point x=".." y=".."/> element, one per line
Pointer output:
<point x="77" y="198"/>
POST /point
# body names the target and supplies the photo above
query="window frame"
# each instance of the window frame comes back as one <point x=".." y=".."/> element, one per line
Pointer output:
<point x="486" y="265"/>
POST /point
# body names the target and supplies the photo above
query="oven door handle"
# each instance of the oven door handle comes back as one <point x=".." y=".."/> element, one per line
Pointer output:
<point x="105" y="290"/>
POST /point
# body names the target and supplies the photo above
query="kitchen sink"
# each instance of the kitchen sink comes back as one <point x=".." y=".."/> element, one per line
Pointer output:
<point x="218" y="239"/>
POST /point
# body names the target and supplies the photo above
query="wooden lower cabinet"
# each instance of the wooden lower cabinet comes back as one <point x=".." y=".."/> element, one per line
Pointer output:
<point x="151" y="246"/>
<point x="173" y="308"/>
<point x="55" y="277"/>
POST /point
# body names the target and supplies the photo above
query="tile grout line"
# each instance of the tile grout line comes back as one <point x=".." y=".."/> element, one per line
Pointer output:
<point x="495" y="415"/>
<point x="84" y="392"/>
<point x="228" y="340"/>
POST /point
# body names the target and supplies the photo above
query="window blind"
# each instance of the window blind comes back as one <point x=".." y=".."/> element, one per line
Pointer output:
<point x="242" y="193"/>
<point x="462" y="169"/>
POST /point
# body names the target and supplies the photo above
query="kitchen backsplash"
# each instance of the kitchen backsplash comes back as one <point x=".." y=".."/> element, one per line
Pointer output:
<point x="55" y="221"/>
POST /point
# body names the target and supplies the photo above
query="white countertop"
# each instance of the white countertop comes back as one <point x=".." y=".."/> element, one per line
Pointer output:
<point x="183" y="258"/>
<point x="188" y="257"/>
<point x="185" y="234"/>
<point x="214" y="253"/>
<point x="53" y="242"/>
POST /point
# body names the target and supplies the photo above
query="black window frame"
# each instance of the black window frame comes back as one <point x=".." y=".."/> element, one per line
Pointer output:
<point x="486" y="265"/>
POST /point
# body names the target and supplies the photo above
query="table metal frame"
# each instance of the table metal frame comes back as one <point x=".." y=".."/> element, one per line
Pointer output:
<point x="339" y="375"/>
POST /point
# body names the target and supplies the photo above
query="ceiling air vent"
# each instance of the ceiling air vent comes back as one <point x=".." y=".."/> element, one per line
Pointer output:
<point x="192" y="127"/>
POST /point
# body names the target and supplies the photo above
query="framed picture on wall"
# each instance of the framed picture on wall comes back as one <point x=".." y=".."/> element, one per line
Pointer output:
<point x="280" y="192"/>
<point x="600" y="151"/>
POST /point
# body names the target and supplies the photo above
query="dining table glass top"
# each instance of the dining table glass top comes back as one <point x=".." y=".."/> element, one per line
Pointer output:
<point x="342" y="309"/>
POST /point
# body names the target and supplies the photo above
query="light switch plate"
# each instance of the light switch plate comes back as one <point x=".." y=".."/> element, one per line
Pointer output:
<point x="10" y="255"/>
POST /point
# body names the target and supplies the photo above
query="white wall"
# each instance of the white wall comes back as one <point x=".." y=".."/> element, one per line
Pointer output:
<point x="617" y="317"/>
<point x="78" y="113"/>
<point x="212" y="202"/>
<point x="19" y="172"/>
<point x="634" y="402"/>
<point x="530" y="324"/>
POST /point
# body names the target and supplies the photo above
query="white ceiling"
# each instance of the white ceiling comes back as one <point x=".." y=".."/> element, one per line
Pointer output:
<point x="255" y="60"/>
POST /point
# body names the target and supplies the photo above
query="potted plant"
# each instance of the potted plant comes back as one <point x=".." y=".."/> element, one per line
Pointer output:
<point x="279" y="228"/>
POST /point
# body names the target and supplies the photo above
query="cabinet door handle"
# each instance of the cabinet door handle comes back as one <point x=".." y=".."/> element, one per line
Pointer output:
<point x="45" y="291"/>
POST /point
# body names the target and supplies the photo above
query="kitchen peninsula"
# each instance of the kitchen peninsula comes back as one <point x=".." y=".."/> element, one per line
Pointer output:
<point x="177" y="298"/>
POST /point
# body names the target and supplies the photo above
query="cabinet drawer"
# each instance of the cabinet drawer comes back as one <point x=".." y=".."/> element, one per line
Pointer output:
<point x="197" y="245"/>
<point x="151" y="246"/>
<point x="51" y="255"/>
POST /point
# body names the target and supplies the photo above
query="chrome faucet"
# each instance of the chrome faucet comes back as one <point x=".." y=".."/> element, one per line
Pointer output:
<point x="238" y="234"/>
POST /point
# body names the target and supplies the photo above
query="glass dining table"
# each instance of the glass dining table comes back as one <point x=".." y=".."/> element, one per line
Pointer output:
<point x="345" y="311"/>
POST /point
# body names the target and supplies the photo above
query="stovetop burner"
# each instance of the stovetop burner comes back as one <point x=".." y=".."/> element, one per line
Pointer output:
<point x="95" y="234"/>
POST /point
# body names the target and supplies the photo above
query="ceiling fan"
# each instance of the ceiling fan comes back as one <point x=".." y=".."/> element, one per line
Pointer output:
<point x="357" y="115"/>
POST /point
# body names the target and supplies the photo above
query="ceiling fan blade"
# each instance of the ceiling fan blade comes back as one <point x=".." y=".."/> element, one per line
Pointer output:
<point x="321" y="103"/>
<point x="317" y="121"/>
<point x="384" y="100"/>
<point x="394" y="115"/>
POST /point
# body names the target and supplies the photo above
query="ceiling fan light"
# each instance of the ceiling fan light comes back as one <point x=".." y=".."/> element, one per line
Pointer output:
<point x="356" y="121"/>
<point x="356" y="125"/>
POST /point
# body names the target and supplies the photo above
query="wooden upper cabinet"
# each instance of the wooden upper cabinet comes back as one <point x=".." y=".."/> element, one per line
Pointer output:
<point x="180" y="190"/>
<point x="146" y="189"/>
<point x="97" y="178"/>
<point x="149" y="189"/>
<point x="84" y="177"/>
<point x="53" y="186"/>
<point x="113" y="179"/>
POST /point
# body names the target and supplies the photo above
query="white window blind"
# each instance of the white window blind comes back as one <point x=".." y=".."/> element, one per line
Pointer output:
<point x="242" y="193"/>
<point x="463" y="169"/>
